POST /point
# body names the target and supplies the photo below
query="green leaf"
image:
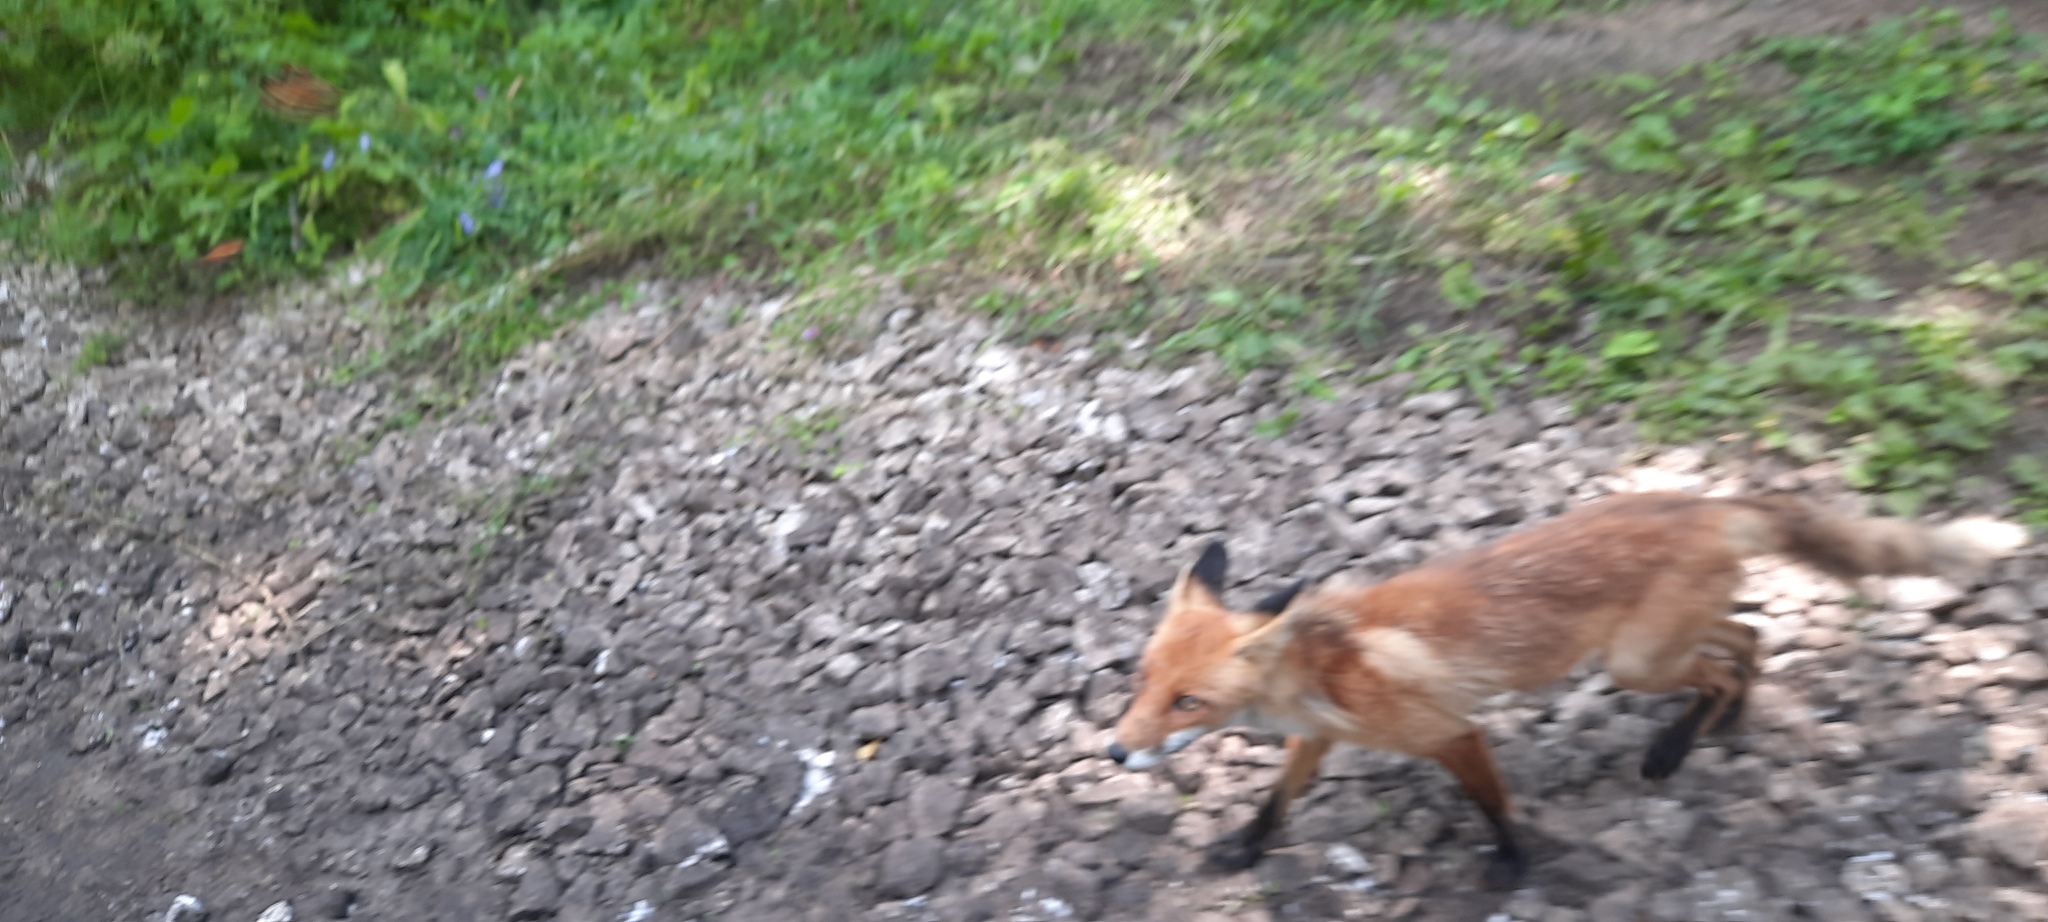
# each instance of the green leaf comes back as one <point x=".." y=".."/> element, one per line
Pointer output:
<point x="1733" y="139"/>
<point x="394" y="74"/>
<point x="2029" y="470"/>
<point x="1864" y="287"/>
<point x="1819" y="189"/>
<point x="223" y="165"/>
<point x="1522" y="126"/>
<point x="1645" y="146"/>
<point x="1905" y="503"/>
<point x="1277" y="426"/>
<point x="1630" y="344"/>
<point x="1482" y="387"/>
<point x="174" y="121"/>
<point x="1460" y="288"/>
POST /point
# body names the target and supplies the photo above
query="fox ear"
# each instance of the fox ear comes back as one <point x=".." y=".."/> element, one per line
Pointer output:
<point x="1202" y="582"/>
<point x="1277" y="602"/>
<point x="1263" y="646"/>
<point x="1211" y="568"/>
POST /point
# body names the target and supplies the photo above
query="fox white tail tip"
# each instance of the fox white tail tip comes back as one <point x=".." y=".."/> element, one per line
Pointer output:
<point x="1963" y="548"/>
<point x="1989" y="537"/>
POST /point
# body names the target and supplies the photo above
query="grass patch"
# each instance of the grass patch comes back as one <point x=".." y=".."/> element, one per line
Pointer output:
<point x="1775" y="263"/>
<point x="98" y="350"/>
<point x="473" y="151"/>
<point x="1759" y="245"/>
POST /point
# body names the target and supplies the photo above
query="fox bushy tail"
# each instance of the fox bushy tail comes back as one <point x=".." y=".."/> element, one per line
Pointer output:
<point x="1851" y="547"/>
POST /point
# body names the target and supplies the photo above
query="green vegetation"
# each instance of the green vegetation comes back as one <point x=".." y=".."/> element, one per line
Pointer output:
<point x="808" y="429"/>
<point x="97" y="350"/>
<point x="1763" y="244"/>
<point x="1711" y="261"/>
<point x="502" y="513"/>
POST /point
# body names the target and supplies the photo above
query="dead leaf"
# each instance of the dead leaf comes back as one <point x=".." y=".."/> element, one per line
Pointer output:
<point x="223" y="252"/>
<point x="297" y="94"/>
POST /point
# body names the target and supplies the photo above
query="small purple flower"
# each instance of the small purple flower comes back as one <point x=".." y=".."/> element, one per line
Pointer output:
<point x="468" y="224"/>
<point x="327" y="160"/>
<point x="482" y="92"/>
<point x="363" y="142"/>
<point x="494" y="182"/>
<point x="810" y="333"/>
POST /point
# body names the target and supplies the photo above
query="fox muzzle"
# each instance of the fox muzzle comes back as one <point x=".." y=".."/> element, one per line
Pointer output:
<point x="1146" y="758"/>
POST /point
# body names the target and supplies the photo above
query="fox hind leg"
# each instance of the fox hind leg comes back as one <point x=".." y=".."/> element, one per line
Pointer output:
<point x="1740" y="641"/>
<point x="1722" y="687"/>
<point x="1657" y="649"/>
<point x="1672" y="744"/>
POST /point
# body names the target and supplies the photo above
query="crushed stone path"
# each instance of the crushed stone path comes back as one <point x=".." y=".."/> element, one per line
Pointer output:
<point x="673" y="622"/>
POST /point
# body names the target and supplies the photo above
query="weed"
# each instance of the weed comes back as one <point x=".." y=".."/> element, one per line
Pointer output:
<point x="1276" y="426"/>
<point x="1906" y="87"/>
<point x="2032" y="476"/>
<point x="1461" y="358"/>
<point x="1245" y="333"/>
<point x="97" y="351"/>
<point x="808" y="428"/>
<point x="1735" y="288"/>
<point x="498" y="516"/>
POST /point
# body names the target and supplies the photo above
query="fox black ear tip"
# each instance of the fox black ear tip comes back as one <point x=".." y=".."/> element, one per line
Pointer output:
<point x="1214" y="564"/>
<point x="1278" y="601"/>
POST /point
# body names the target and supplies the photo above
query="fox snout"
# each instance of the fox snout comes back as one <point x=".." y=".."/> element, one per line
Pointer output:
<point x="1148" y="757"/>
<point x="1141" y="759"/>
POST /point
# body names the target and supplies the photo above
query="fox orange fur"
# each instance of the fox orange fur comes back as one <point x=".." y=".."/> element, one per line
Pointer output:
<point x="1645" y="581"/>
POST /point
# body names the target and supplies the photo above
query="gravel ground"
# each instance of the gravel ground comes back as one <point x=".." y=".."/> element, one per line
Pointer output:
<point x="674" y="623"/>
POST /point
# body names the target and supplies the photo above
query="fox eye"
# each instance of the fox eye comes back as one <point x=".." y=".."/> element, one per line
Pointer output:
<point x="1187" y="703"/>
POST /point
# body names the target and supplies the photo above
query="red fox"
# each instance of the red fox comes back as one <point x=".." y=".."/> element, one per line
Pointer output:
<point x="1644" y="580"/>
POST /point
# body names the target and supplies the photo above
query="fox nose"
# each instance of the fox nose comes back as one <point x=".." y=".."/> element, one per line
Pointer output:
<point x="1118" y="752"/>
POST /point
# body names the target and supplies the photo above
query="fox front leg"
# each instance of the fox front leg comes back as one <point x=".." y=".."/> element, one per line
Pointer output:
<point x="1242" y="849"/>
<point x="1472" y="764"/>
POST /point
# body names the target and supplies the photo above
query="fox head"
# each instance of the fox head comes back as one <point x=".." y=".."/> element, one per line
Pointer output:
<point x="1203" y="665"/>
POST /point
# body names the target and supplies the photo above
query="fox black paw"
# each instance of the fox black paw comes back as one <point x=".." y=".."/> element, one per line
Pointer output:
<point x="1668" y="751"/>
<point x="1234" y="853"/>
<point x="1505" y="870"/>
